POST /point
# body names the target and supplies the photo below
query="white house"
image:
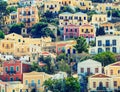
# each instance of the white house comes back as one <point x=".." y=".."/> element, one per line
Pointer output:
<point x="6" y="57"/>
<point x="89" y="66"/>
<point x="106" y="43"/>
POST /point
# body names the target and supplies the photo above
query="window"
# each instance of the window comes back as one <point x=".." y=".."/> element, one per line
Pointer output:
<point x="82" y="70"/>
<point x="66" y="30"/>
<point x="17" y="79"/>
<point x="70" y="30"/>
<point x="99" y="50"/>
<point x="88" y="70"/>
<point x="84" y="18"/>
<point x="11" y="79"/>
<point x="107" y="84"/>
<point x="75" y="30"/>
<point x="91" y="30"/>
<point x="94" y="84"/>
<point x="11" y="68"/>
<point x="26" y="82"/>
<point x="99" y="43"/>
<point x="82" y="30"/>
<point x="3" y="90"/>
<point x="6" y="69"/>
<point x="96" y="70"/>
<point x="17" y="68"/>
<point x="19" y="40"/>
<point x="107" y="49"/>
<point x="38" y="81"/>
<point x="113" y="42"/>
<point x="111" y="72"/>
<point x="118" y="71"/>
<point x="13" y="90"/>
<point x="115" y="83"/>
<point x="107" y="42"/>
<point x="114" y="49"/>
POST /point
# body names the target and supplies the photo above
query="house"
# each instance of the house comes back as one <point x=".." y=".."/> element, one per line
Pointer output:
<point x="83" y="4"/>
<point x="34" y="80"/>
<point x="10" y="86"/>
<point x="19" y="46"/>
<point x="108" y="28"/>
<point x="26" y="2"/>
<point x="88" y="32"/>
<point x="65" y="46"/>
<point x="98" y="19"/>
<point x="27" y="15"/>
<point x="12" y="3"/>
<point x="60" y="75"/>
<point x="71" y="31"/>
<point x="52" y="6"/>
<point x="104" y="7"/>
<point x="89" y="66"/>
<point x="106" y="43"/>
<point x="67" y="18"/>
<point x="13" y="17"/>
<point x="14" y="69"/>
<point x="113" y="70"/>
<point x="100" y="82"/>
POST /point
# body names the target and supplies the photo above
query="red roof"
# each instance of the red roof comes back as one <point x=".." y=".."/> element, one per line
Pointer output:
<point x="45" y="52"/>
<point x="42" y="64"/>
<point x="100" y="76"/>
<point x="116" y="64"/>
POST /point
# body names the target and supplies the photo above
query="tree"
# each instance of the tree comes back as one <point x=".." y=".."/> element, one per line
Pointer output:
<point x="109" y="13"/>
<point x="105" y="58"/>
<point x="11" y="9"/>
<point x="16" y="28"/>
<point x="41" y="30"/>
<point x="72" y="85"/>
<point x="92" y="43"/>
<point x="100" y="31"/>
<point x="115" y="13"/>
<point x="48" y="15"/>
<point x="54" y="85"/>
<point x="61" y="56"/>
<point x="63" y="66"/>
<point x="90" y="14"/>
<point x="81" y="45"/>
<point x="2" y="35"/>
<point x="69" y="84"/>
<point x="66" y="9"/>
<point x="3" y="11"/>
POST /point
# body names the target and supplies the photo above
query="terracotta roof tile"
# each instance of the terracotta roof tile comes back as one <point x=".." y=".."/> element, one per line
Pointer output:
<point x="100" y="76"/>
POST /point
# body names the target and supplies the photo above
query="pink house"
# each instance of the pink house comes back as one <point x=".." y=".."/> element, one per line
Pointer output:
<point x="71" y="31"/>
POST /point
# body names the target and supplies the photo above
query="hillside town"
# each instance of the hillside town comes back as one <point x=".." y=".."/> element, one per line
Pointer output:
<point x="59" y="46"/>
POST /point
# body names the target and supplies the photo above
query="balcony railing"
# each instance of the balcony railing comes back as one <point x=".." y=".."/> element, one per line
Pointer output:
<point x="32" y="85"/>
<point x="51" y="8"/>
<point x="11" y="72"/>
<point x="107" y="45"/>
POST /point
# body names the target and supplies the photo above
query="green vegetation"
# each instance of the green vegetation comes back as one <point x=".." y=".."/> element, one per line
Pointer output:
<point x="11" y="9"/>
<point x="16" y="28"/>
<point x="66" y="9"/>
<point x="41" y="30"/>
<point x="69" y="84"/>
<point x="2" y="35"/>
<point x="116" y="13"/>
<point x="105" y="58"/>
<point x="81" y="45"/>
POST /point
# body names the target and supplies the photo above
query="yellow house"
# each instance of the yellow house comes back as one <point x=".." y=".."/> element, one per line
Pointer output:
<point x="52" y="6"/>
<point x="116" y="6"/>
<point x="100" y="81"/>
<point x="83" y="4"/>
<point x="34" y="80"/>
<point x="117" y="33"/>
<point x="14" y="86"/>
<point x="6" y="20"/>
<point x="103" y="7"/>
<point x="17" y="45"/>
<point x="67" y="18"/>
<point x="13" y="3"/>
<point x="98" y="19"/>
<point x="113" y="70"/>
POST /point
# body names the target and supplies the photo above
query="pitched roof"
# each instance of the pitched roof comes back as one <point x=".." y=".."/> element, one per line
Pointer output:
<point x="66" y="13"/>
<point x="100" y="76"/>
<point x="80" y="13"/>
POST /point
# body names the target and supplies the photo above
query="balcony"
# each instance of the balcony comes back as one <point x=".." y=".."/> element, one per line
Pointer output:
<point x="32" y="85"/>
<point x="66" y="20"/>
<point x="51" y="8"/>
<point x="11" y="72"/>
<point x="107" y="45"/>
